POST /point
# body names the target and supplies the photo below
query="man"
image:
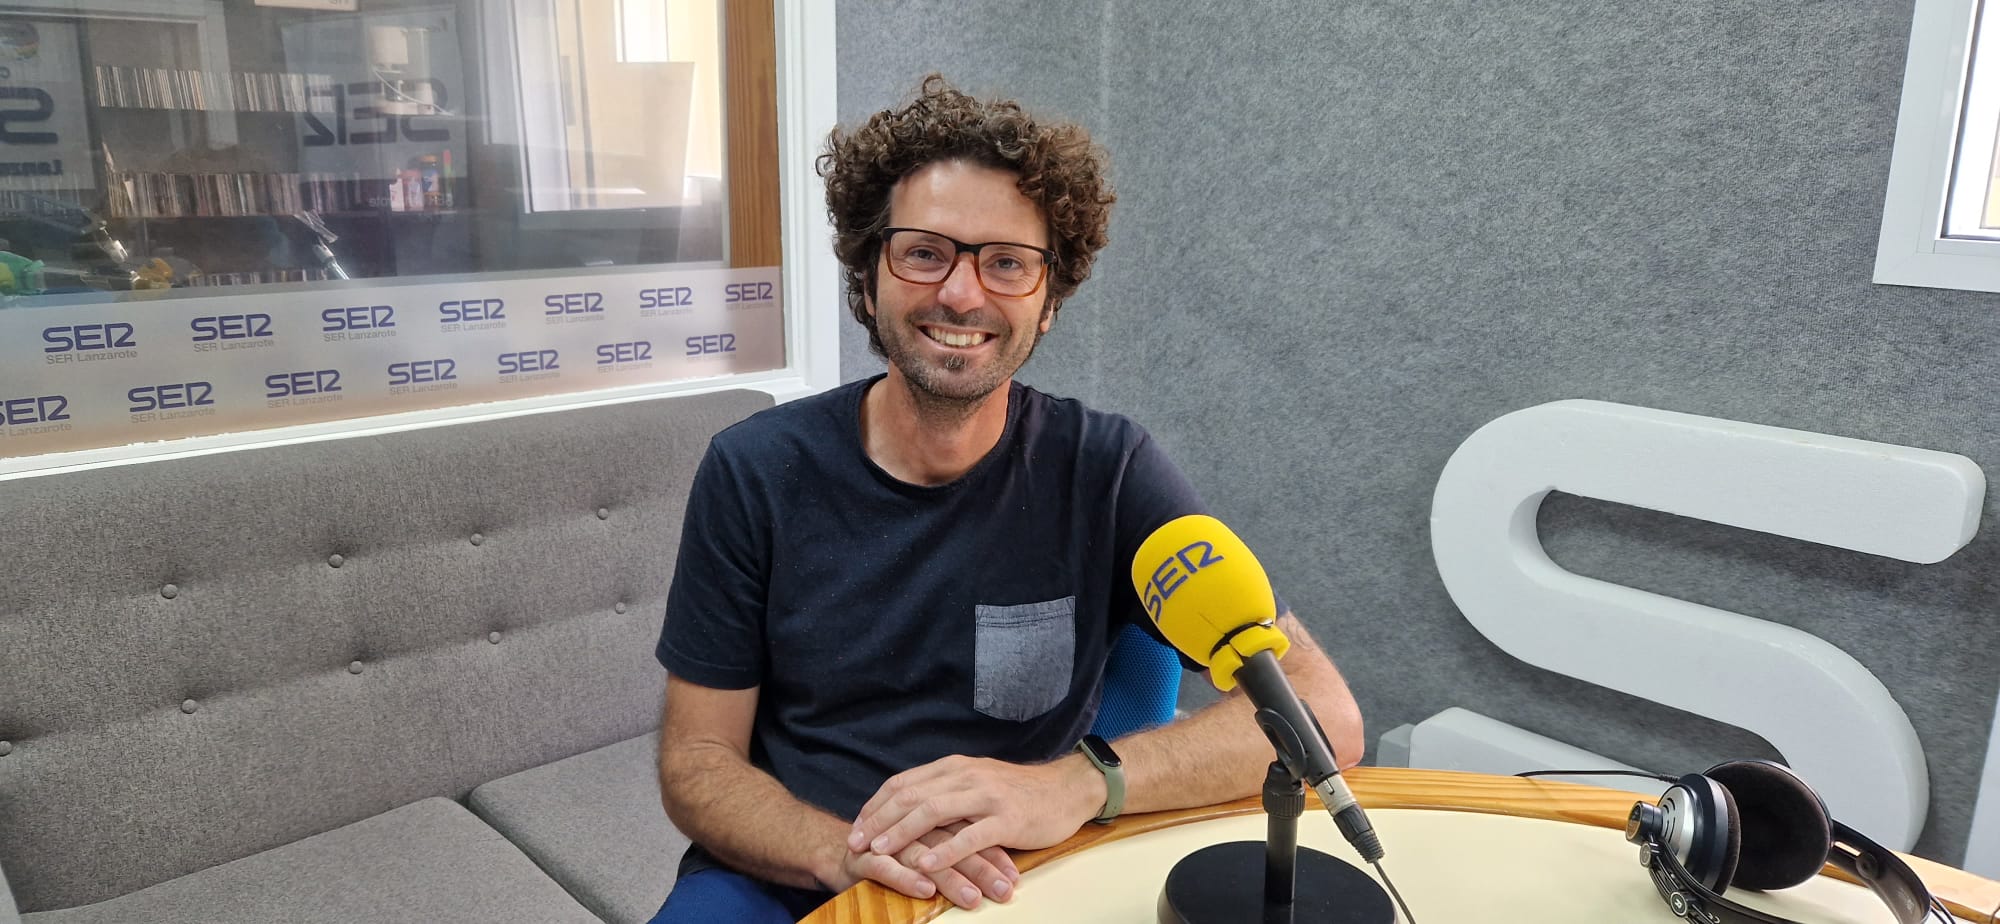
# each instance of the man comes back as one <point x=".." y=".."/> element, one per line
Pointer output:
<point x="890" y="615"/>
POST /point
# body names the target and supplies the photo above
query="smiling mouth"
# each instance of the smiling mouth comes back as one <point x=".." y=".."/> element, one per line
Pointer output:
<point x="952" y="338"/>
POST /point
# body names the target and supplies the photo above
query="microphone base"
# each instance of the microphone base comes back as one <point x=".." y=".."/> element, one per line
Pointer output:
<point x="1224" y="884"/>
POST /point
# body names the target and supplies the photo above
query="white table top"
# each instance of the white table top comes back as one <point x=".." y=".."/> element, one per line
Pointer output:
<point x="1450" y="867"/>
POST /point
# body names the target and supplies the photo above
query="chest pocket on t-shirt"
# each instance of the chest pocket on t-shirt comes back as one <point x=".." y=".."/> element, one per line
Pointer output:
<point x="1023" y="658"/>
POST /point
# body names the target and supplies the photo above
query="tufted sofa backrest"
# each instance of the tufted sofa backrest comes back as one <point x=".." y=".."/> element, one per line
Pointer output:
<point x="204" y="658"/>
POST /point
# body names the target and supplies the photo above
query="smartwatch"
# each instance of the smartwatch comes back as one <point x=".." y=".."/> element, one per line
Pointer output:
<point x="1107" y="763"/>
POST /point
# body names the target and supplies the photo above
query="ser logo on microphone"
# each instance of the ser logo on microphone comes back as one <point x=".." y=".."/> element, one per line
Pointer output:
<point x="1175" y="570"/>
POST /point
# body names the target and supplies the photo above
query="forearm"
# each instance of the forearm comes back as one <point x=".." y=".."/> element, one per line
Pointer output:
<point x="1216" y="755"/>
<point x="748" y="819"/>
<point x="1219" y="753"/>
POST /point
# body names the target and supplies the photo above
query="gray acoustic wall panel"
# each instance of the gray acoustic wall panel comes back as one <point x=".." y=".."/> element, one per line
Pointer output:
<point x="1350" y="234"/>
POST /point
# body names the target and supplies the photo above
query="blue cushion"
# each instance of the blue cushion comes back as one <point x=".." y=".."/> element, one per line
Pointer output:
<point x="1142" y="685"/>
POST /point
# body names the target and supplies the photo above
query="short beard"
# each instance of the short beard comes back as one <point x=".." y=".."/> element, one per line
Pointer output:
<point x="930" y="396"/>
<point x="937" y="408"/>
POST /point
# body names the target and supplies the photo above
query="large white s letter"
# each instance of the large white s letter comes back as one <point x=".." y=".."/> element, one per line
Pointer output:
<point x="1831" y="719"/>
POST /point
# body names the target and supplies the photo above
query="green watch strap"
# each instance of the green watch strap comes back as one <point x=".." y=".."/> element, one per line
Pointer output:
<point x="1106" y="760"/>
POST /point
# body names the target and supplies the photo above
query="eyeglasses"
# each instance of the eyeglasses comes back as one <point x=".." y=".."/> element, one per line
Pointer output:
<point x="1002" y="268"/>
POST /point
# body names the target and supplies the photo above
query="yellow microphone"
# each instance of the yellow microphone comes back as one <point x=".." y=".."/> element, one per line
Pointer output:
<point x="1211" y="599"/>
<point x="1208" y="595"/>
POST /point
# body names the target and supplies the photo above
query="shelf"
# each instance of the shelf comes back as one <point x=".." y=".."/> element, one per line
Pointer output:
<point x="166" y="89"/>
<point x="350" y="214"/>
<point x="281" y="112"/>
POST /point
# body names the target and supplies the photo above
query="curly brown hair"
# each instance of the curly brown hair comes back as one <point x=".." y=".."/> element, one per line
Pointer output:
<point x="1061" y="170"/>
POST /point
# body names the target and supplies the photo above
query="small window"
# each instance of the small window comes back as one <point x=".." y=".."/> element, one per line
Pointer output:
<point x="1941" y="217"/>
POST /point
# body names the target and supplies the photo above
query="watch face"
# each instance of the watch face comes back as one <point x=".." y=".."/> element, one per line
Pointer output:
<point x="1100" y="750"/>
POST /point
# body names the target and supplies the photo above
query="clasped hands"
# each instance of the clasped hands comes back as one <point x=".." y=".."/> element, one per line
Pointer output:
<point x="943" y="828"/>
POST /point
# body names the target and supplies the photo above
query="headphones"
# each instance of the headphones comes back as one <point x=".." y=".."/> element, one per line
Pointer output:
<point x="1754" y="824"/>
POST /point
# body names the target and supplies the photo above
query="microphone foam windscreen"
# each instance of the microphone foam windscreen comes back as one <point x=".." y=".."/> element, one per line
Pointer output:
<point x="1199" y="583"/>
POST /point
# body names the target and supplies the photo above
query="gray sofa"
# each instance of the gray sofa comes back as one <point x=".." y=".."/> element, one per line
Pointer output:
<point x="405" y="677"/>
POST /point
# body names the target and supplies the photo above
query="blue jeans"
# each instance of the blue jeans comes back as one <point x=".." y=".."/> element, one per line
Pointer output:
<point x="721" y="896"/>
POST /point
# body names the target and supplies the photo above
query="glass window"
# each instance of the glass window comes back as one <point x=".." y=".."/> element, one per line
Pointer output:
<point x="223" y="215"/>
<point x="1941" y="216"/>
<point x="1973" y="206"/>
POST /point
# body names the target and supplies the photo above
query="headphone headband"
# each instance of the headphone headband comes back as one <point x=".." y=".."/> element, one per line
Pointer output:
<point x="1691" y="900"/>
<point x="1885" y="874"/>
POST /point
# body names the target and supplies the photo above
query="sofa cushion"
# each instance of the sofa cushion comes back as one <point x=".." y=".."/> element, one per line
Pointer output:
<point x="429" y="861"/>
<point x="593" y="822"/>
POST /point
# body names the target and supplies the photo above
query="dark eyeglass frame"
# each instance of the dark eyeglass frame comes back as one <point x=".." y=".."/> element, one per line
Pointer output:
<point x="961" y="247"/>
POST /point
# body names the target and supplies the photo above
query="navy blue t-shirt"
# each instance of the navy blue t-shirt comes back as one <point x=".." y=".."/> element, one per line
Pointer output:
<point x="889" y="624"/>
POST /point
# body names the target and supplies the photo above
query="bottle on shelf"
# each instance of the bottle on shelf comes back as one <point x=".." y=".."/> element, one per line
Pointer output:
<point x="445" y="178"/>
<point x="413" y="190"/>
<point x="432" y="178"/>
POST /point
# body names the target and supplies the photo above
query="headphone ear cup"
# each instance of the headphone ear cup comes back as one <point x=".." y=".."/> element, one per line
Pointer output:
<point x="1786" y="833"/>
<point x="1732" y="851"/>
<point x="1711" y="854"/>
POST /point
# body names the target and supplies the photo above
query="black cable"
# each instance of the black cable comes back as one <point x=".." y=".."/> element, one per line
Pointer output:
<point x="1398" y="896"/>
<point x="1638" y="773"/>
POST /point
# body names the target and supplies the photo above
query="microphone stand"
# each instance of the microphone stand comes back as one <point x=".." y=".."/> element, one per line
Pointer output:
<point x="1284" y="802"/>
<point x="1219" y="883"/>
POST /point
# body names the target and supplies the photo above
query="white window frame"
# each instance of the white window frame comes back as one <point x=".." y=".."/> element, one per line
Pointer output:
<point x="807" y="111"/>
<point x="1912" y="250"/>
